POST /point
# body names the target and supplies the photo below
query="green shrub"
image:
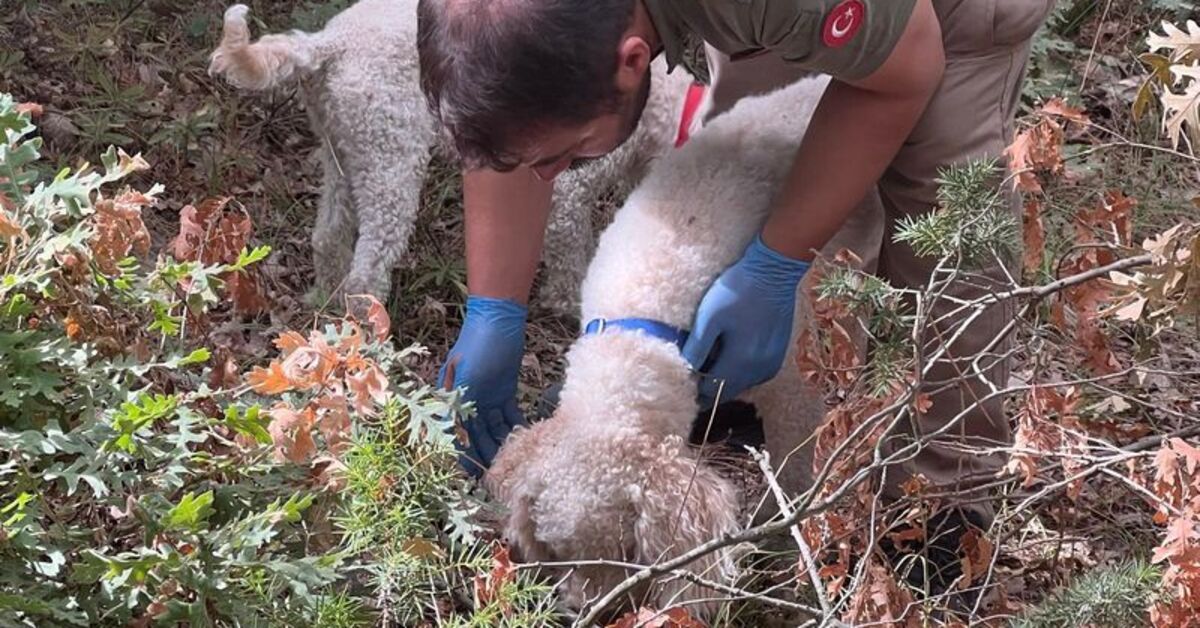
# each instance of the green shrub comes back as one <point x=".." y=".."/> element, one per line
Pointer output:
<point x="140" y="484"/>
<point x="1115" y="597"/>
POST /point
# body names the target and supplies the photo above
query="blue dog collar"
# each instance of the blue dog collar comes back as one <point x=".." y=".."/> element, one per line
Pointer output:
<point x="653" y="328"/>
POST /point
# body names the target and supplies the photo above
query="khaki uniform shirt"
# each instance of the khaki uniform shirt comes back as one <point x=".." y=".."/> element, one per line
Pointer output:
<point x="844" y="38"/>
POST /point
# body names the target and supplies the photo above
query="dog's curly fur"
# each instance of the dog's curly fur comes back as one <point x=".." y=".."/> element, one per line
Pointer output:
<point x="361" y="87"/>
<point x="610" y="475"/>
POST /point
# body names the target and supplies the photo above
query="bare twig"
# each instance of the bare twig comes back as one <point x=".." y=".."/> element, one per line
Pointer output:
<point x="764" y="463"/>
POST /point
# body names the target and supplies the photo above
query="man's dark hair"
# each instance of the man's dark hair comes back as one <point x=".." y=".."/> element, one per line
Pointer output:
<point x="494" y="69"/>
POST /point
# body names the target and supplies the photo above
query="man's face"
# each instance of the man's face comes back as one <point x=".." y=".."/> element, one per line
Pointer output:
<point x="552" y="150"/>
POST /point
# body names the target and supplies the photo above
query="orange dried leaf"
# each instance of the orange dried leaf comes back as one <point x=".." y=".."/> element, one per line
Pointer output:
<point x="289" y="341"/>
<point x="9" y="227"/>
<point x="208" y="235"/>
<point x="1057" y="107"/>
<point x="186" y="244"/>
<point x="269" y="381"/>
<point x="74" y="331"/>
<point x="306" y="368"/>
<point x="231" y="236"/>
<point x="1179" y="534"/>
<point x="423" y="549"/>
<point x="911" y="533"/>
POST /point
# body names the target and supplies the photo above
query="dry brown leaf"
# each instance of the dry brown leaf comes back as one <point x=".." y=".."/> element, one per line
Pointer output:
<point x="291" y="432"/>
<point x="328" y="472"/>
<point x="119" y="230"/>
<point x="977" y="554"/>
<point x="368" y="387"/>
<point x="1036" y="434"/>
<point x="196" y="227"/>
<point x="1035" y="150"/>
<point x="650" y="618"/>
<point x="230" y="237"/>
<point x="1112" y="217"/>
<point x="334" y="423"/>
<point x="377" y="315"/>
<point x="243" y="290"/>
<point x="1166" y="483"/>
<point x="1020" y="162"/>
<point x="503" y="572"/>
<point x="1189" y="453"/>
<point x="226" y="375"/>
<point x="880" y="601"/>
<point x="1181" y="110"/>
<point x="915" y="485"/>
<point x="423" y="549"/>
<point x="1034" y="235"/>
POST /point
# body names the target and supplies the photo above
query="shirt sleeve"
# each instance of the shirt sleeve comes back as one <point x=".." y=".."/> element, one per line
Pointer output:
<point x="843" y="38"/>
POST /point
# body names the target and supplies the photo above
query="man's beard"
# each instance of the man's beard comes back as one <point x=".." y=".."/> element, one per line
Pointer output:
<point x="631" y="112"/>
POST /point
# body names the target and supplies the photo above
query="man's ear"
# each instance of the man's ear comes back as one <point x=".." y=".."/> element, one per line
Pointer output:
<point x="633" y="61"/>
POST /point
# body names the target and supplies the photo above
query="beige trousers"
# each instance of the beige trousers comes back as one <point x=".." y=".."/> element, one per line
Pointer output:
<point x="971" y="115"/>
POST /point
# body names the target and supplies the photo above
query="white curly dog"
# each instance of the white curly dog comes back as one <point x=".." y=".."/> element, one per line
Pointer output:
<point x="363" y="97"/>
<point x="610" y="474"/>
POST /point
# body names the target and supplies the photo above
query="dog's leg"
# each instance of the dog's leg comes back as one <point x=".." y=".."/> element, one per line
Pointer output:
<point x="569" y="241"/>
<point x="334" y="233"/>
<point x="386" y="155"/>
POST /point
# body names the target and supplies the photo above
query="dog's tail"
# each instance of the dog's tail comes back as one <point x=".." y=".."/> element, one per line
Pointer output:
<point x="268" y="62"/>
<point x="686" y="505"/>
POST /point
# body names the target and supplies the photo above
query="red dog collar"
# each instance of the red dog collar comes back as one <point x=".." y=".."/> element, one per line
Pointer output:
<point x="691" y="104"/>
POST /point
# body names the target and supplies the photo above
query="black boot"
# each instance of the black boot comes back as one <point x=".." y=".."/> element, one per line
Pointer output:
<point x="932" y="565"/>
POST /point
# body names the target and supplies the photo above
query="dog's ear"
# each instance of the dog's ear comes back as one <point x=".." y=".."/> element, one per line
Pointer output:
<point x="519" y="448"/>
<point x="520" y="530"/>
<point x="685" y="504"/>
<point x="510" y="481"/>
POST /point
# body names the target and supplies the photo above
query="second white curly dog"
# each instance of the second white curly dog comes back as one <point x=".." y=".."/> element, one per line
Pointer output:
<point x="375" y="133"/>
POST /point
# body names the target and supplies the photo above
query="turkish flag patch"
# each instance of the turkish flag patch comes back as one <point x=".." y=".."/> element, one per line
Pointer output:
<point x="843" y="22"/>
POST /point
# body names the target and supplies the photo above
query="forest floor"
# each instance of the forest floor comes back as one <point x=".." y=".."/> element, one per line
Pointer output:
<point x="132" y="73"/>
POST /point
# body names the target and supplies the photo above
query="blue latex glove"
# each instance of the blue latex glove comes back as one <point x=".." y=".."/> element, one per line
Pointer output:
<point x="486" y="359"/>
<point x="744" y="323"/>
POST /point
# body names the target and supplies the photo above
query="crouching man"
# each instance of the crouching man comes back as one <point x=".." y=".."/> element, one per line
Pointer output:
<point x="528" y="88"/>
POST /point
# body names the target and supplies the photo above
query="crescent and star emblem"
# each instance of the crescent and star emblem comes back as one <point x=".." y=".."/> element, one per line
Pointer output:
<point x="843" y="22"/>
